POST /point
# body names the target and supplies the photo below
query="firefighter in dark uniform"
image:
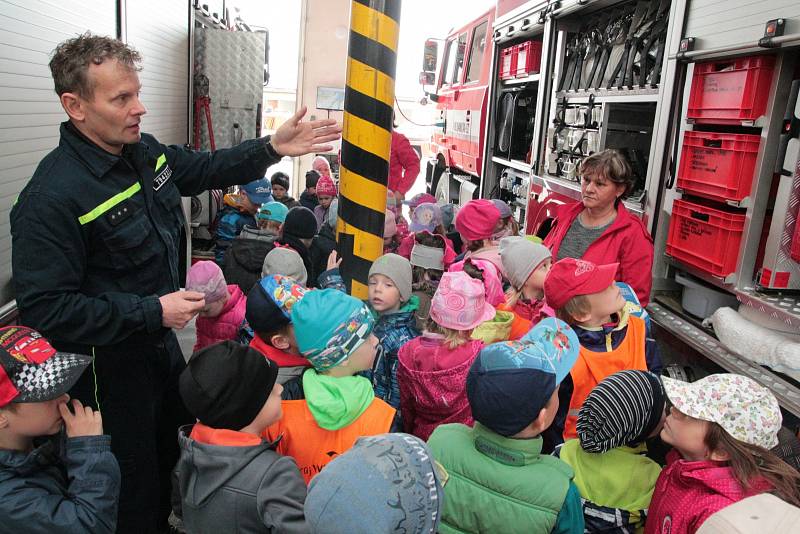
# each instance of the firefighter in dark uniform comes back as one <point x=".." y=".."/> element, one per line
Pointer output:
<point x="95" y="238"/>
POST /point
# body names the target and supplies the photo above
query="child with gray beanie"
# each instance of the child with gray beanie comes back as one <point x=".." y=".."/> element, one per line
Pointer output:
<point x="392" y="301"/>
<point x="385" y="483"/>
<point x="287" y="262"/>
<point x="620" y="413"/>
<point x="526" y="265"/>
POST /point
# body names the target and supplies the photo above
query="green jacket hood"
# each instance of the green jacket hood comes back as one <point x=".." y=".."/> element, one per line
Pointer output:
<point x="335" y="402"/>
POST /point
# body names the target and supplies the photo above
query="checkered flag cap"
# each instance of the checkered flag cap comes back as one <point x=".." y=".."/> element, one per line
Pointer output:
<point x="31" y="370"/>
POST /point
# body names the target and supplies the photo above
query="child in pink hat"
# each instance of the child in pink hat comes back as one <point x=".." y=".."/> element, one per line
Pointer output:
<point x="395" y="205"/>
<point x="432" y="368"/>
<point x="222" y="318"/>
<point x="484" y="271"/>
<point x="477" y="221"/>
<point x="326" y="192"/>
<point x="390" y="241"/>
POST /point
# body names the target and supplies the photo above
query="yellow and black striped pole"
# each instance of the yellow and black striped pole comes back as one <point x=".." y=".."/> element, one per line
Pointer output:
<point x="366" y="137"/>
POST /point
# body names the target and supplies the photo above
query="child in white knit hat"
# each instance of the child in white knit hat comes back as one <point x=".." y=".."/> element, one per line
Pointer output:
<point x="526" y="265"/>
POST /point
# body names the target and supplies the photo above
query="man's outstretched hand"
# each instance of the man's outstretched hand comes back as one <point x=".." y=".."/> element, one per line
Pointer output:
<point x="296" y="138"/>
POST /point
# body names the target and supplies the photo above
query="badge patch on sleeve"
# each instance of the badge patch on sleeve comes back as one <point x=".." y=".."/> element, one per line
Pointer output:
<point x="162" y="177"/>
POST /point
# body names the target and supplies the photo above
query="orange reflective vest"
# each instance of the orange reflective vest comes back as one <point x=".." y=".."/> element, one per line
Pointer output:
<point x="312" y="446"/>
<point x="591" y="367"/>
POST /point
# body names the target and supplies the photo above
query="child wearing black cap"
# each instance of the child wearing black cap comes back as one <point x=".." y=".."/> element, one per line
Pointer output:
<point x="280" y="189"/>
<point x="269" y="307"/>
<point x="620" y="413"/>
<point x="308" y="198"/>
<point x="499" y="481"/>
<point x="229" y="478"/>
<point x="298" y="232"/>
<point x="54" y="485"/>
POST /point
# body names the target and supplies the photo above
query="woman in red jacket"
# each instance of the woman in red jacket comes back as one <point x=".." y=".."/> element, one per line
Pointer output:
<point x="599" y="228"/>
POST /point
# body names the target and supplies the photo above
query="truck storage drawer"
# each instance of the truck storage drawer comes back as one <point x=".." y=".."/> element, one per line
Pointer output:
<point x="717" y="165"/>
<point x="705" y="237"/>
<point x="729" y="92"/>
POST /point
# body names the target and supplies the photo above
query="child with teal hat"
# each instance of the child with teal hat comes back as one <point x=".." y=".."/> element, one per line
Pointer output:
<point x="245" y="257"/>
<point x="271" y="216"/>
<point x="334" y="332"/>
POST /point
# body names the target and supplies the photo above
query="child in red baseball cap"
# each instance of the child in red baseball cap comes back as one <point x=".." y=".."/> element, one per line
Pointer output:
<point x="57" y="471"/>
<point x="586" y="297"/>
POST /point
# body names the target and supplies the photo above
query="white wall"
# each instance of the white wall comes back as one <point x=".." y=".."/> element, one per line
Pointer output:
<point x="325" y="26"/>
<point x="30" y="112"/>
<point x="159" y="30"/>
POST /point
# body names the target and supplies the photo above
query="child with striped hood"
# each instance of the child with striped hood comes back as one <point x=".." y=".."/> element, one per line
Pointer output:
<point x="613" y="474"/>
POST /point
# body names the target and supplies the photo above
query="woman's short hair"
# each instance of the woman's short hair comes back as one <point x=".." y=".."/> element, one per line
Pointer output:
<point x="612" y="165"/>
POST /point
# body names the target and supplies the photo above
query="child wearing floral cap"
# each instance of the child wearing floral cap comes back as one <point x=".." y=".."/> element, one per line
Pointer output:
<point x="499" y="327"/>
<point x="269" y="308"/>
<point x="334" y="332"/>
<point x="222" y="318"/>
<point x="433" y="368"/>
<point x="499" y="480"/>
<point x="721" y="428"/>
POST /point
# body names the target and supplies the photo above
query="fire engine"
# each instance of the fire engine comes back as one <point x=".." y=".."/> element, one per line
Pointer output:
<point x="700" y="96"/>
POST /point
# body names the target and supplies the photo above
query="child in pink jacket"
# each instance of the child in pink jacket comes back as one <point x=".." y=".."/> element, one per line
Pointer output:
<point x="432" y="369"/>
<point x="222" y="318"/>
<point x="722" y="428"/>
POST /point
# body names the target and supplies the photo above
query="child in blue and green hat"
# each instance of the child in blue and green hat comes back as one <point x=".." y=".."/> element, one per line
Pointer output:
<point x="334" y="332"/>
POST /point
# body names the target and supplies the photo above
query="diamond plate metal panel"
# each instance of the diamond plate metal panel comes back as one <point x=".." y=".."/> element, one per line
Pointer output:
<point x="234" y="65"/>
<point x="779" y="242"/>
<point x="787" y="394"/>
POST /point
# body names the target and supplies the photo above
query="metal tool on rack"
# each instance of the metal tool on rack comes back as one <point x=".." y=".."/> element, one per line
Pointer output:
<point x="614" y="36"/>
<point x="655" y="41"/>
<point x="638" y="21"/>
<point x="202" y="103"/>
<point x="569" y="62"/>
<point x="595" y="49"/>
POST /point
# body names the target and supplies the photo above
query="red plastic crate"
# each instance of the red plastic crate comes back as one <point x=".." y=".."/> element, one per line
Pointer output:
<point x="529" y="58"/>
<point x="719" y="166"/>
<point x="705" y="237"/>
<point x="729" y="92"/>
<point x="508" y="62"/>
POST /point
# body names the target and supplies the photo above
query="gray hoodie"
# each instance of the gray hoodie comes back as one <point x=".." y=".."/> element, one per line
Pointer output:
<point x="238" y="489"/>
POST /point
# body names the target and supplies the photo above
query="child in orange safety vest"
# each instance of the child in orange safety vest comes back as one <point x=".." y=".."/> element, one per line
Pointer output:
<point x="334" y="332"/>
<point x="612" y="339"/>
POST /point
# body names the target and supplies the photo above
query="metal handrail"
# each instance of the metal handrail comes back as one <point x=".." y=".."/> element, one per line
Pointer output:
<point x="771" y="42"/>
